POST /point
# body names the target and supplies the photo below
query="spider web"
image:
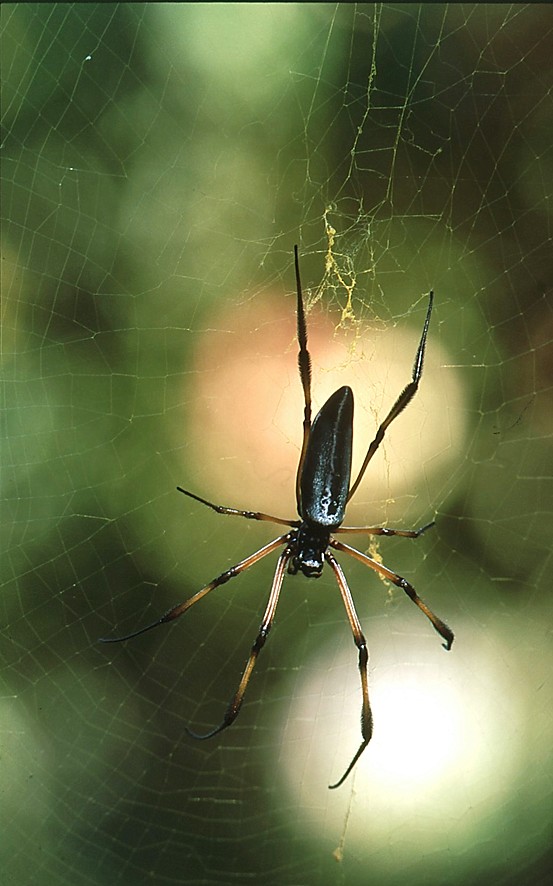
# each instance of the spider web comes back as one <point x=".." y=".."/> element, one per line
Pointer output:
<point x="159" y="162"/>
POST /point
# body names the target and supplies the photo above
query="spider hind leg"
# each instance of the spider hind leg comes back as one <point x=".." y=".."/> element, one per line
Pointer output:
<point x="266" y="624"/>
<point x="361" y="643"/>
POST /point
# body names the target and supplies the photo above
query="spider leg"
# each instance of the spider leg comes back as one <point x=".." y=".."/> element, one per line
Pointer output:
<point x="381" y="530"/>
<point x="439" y="625"/>
<point x="304" y="366"/>
<point x="181" y="608"/>
<point x="234" y="512"/>
<point x="264" y="629"/>
<point x="404" y="398"/>
<point x="361" y="643"/>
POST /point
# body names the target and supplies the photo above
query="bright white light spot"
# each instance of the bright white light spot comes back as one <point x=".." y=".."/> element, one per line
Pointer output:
<point x="419" y="729"/>
<point x="450" y="748"/>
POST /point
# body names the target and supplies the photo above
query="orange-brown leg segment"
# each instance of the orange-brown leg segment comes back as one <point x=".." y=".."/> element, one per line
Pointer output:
<point x="443" y="630"/>
<point x="181" y="608"/>
<point x="361" y="643"/>
<point x="382" y="530"/>
<point x="264" y="629"/>
<point x="235" y="512"/>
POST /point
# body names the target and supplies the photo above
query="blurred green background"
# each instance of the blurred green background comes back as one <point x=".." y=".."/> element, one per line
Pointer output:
<point x="158" y="164"/>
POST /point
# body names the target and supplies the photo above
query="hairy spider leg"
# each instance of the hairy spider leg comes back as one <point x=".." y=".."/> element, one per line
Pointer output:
<point x="264" y="629"/>
<point x="443" y="630"/>
<point x="361" y="643"/>
<point x="225" y="576"/>
<point x="402" y="401"/>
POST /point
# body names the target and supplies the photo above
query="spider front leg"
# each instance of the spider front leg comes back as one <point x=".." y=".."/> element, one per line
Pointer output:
<point x="304" y="366"/>
<point x="264" y="629"/>
<point x="440" y="626"/>
<point x="361" y="643"/>
<point x="402" y="401"/>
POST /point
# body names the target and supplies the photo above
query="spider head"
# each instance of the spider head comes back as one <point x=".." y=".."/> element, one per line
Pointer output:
<point x="311" y="564"/>
<point x="311" y="544"/>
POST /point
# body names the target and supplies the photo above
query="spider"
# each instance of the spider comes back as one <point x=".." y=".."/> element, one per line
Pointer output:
<point x="322" y="492"/>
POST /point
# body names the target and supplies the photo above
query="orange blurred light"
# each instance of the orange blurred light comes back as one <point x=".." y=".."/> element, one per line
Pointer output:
<point x="245" y="418"/>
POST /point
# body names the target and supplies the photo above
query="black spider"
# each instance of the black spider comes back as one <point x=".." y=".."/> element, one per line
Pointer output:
<point x="322" y="493"/>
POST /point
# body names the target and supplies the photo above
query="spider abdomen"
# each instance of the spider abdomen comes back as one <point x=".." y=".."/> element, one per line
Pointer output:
<point x="326" y="471"/>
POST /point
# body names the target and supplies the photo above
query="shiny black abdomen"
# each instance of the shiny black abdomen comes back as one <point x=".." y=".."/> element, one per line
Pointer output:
<point x="326" y="472"/>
